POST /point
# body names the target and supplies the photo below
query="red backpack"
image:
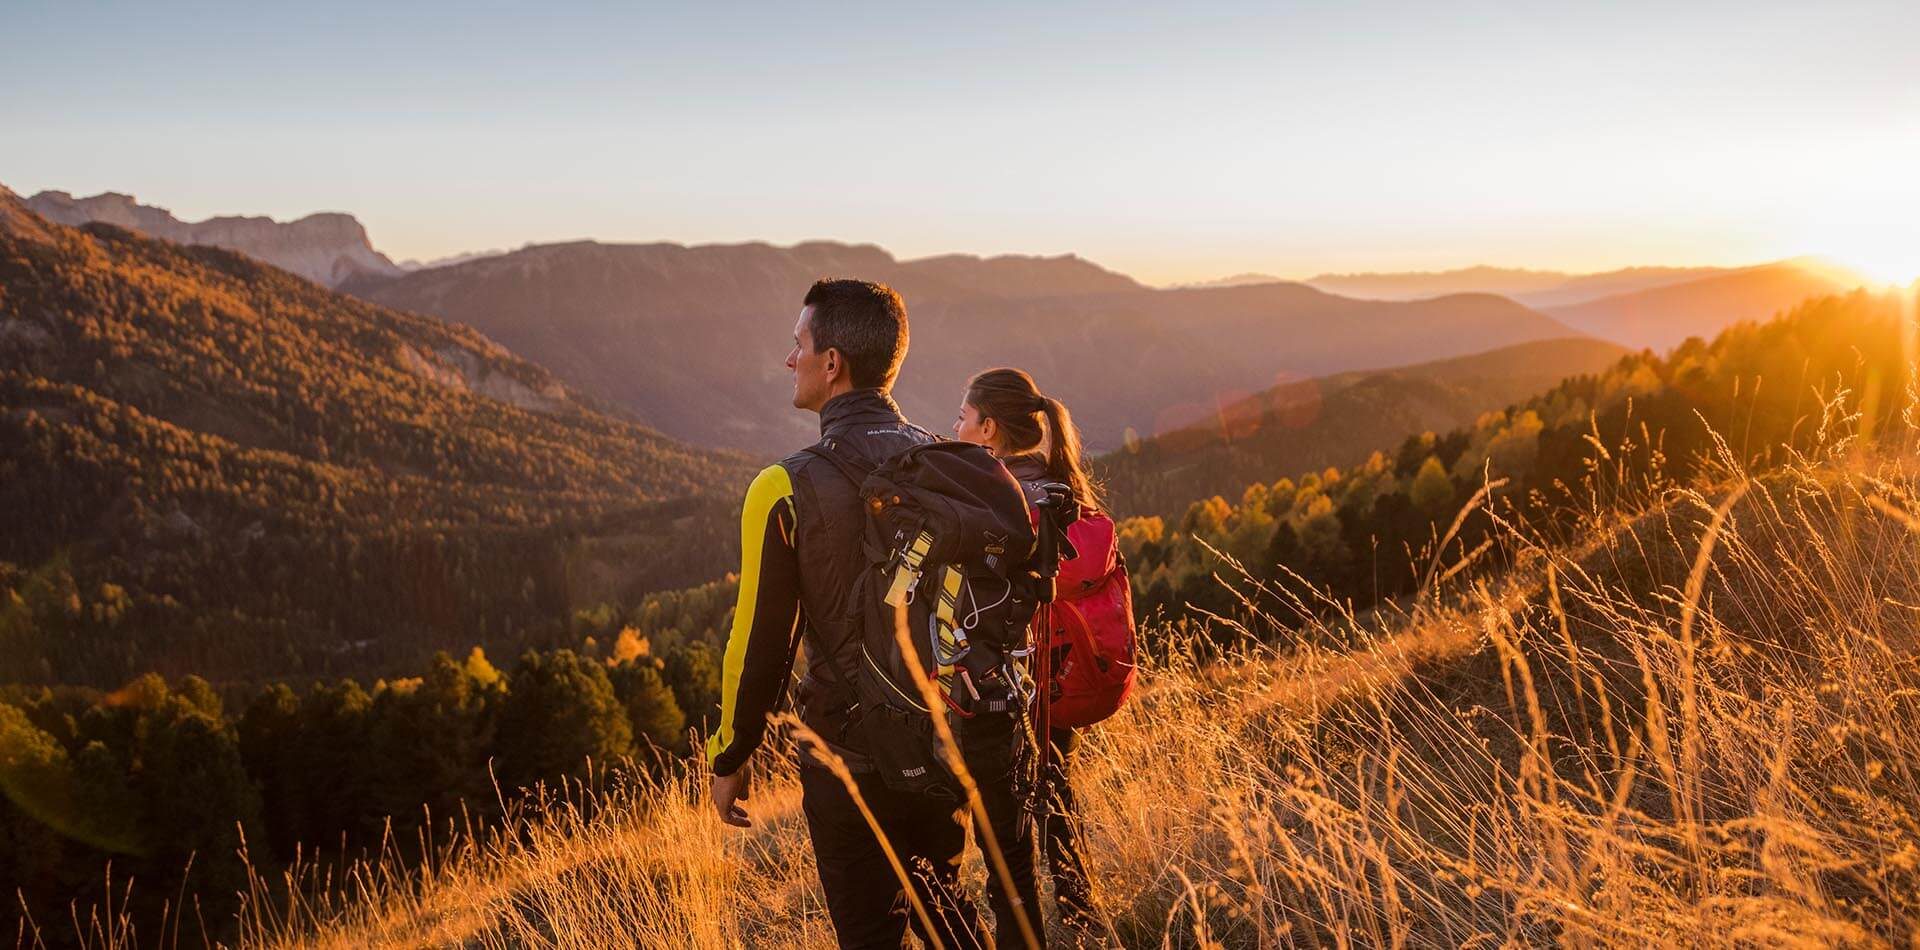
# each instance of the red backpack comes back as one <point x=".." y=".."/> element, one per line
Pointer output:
<point x="1091" y="664"/>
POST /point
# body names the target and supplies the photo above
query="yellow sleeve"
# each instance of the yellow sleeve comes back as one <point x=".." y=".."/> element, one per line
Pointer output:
<point x="766" y="622"/>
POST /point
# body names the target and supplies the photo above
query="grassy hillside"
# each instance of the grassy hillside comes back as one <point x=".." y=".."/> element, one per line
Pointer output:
<point x="210" y="466"/>
<point x="1687" y="728"/>
<point x="1334" y="421"/>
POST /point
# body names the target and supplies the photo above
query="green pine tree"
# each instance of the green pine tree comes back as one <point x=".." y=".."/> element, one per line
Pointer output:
<point x="560" y="711"/>
<point x="1432" y="490"/>
<point x="651" y="708"/>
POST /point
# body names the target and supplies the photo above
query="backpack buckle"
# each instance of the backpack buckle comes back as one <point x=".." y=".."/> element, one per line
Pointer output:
<point x="900" y="590"/>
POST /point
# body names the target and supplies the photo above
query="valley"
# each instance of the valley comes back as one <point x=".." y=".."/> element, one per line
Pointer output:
<point x="256" y="527"/>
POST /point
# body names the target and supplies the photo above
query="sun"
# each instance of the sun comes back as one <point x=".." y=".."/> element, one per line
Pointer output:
<point x="1896" y="269"/>
<point x="1887" y="254"/>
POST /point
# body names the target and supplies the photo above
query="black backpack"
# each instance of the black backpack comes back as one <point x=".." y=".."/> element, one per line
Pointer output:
<point x="948" y="548"/>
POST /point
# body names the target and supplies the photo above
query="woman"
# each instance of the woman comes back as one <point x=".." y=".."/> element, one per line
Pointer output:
<point x="1034" y="436"/>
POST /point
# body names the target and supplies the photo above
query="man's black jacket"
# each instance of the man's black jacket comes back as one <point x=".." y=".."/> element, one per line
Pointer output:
<point x="800" y="534"/>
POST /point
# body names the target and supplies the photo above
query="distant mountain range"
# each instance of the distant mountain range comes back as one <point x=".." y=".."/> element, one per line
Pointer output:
<point x="1639" y="306"/>
<point x="1535" y="288"/>
<point x="170" y="412"/>
<point x="1310" y="424"/>
<point x="326" y="248"/>
<point x="1662" y="316"/>
<point x="229" y="470"/>
<point x="691" y="339"/>
<point x="1237" y="280"/>
<point x="411" y="265"/>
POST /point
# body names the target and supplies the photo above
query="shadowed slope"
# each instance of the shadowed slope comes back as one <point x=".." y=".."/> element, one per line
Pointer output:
<point x="247" y="473"/>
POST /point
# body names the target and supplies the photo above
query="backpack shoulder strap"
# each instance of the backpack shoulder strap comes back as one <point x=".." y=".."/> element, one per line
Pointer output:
<point x="854" y="468"/>
<point x="856" y="471"/>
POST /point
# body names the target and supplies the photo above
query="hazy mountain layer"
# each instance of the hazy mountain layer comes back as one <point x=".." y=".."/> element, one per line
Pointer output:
<point x="1535" y="288"/>
<point x="691" y="339"/>
<point x="1664" y="316"/>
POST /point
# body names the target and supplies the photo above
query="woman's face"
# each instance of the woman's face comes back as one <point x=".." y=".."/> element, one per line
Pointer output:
<point x="975" y="428"/>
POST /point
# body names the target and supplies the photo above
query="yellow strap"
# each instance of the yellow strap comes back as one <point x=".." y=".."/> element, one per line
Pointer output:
<point x="951" y="639"/>
<point x="903" y="576"/>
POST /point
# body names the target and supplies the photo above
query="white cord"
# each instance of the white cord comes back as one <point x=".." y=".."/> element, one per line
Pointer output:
<point x="973" y="619"/>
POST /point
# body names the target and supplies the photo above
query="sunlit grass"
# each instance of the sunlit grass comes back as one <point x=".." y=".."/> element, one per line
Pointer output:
<point x="1698" y="725"/>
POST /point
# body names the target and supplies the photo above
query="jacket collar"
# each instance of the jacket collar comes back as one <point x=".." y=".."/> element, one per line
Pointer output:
<point x="861" y="407"/>
<point x="1027" y="466"/>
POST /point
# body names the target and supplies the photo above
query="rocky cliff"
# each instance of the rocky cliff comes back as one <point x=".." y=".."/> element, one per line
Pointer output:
<point x="327" y="248"/>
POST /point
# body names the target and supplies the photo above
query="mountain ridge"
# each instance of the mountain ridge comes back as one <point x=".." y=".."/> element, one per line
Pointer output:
<point x="659" y="330"/>
<point x="1534" y="288"/>
<point x="327" y="247"/>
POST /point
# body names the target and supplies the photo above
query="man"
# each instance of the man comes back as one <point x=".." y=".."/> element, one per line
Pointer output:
<point x="800" y="541"/>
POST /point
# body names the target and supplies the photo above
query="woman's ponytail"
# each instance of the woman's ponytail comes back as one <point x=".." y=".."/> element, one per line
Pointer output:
<point x="1033" y="422"/>
<point x="1064" y="462"/>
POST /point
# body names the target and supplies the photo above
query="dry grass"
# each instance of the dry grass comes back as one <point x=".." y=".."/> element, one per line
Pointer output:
<point x="1698" y="727"/>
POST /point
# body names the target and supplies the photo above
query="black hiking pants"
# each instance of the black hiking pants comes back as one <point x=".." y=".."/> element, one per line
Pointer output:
<point x="995" y="750"/>
<point x="868" y="906"/>
<point x="864" y="897"/>
<point x="1072" y="892"/>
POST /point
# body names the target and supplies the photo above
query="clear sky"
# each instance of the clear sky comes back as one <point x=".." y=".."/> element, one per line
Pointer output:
<point x="1171" y="141"/>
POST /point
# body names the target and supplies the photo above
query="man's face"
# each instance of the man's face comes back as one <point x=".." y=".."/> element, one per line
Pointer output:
<point x="812" y="372"/>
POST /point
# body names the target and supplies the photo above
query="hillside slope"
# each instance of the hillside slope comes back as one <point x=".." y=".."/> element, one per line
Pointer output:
<point x="1336" y="420"/>
<point x="1593" y="750"/>
<point x="228" y="470"/>
<point x="691" y="339"/>
<point x="1757" y="396"/>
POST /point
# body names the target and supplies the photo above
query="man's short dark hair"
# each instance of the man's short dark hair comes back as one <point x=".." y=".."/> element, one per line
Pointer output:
<point x="866" y="322"/>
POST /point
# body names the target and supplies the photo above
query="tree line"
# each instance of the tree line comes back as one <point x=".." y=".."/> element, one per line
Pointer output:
<point x="165" y="784"/>
<point x="1371" y="532"/>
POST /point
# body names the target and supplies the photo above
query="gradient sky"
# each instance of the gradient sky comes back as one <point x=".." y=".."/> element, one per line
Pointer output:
<point x="1170" y="144"/>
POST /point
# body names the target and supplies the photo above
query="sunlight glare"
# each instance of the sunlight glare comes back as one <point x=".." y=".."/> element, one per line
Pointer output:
<point x="1884" y="255"/>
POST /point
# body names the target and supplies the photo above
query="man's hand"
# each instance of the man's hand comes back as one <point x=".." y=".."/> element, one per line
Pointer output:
<point x="728" y="791"/>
